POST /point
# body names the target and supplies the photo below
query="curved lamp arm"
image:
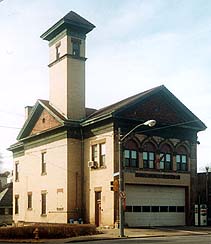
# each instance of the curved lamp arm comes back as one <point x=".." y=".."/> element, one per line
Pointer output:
<point x="149" y="123"/>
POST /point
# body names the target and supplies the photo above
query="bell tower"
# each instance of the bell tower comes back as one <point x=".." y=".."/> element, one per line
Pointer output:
<point x="67" y="64"/>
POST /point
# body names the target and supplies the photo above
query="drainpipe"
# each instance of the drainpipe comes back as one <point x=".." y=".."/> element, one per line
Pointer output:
<point x="207" y="189"/>
<point x="82" y="176"/>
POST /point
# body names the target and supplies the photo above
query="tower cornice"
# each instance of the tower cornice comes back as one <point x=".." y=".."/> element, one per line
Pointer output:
<point x="72" y="22"/>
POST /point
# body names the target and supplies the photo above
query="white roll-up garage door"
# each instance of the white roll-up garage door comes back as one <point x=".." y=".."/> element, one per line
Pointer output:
<point x="154" y="206"/>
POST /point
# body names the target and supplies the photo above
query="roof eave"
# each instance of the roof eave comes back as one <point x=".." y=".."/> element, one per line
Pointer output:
<point x="96" y="119"/>
<point x="47" y="35"/>
<point x="15" y="146"/>
<point x="66" y="23"/>
<point x="26" y="123"/>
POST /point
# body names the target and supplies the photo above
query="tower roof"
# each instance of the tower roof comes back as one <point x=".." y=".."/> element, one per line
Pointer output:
<point x="71" y="21"/>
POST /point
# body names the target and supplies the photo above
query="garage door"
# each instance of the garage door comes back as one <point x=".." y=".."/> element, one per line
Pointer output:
<point x="154" y="206"/>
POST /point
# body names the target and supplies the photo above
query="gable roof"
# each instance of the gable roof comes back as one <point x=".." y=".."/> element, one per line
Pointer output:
<point x="6" y="195"/>
<point x="115" y="109"/>
<point x="108" y="110"/>
<point x="34" y="115"/>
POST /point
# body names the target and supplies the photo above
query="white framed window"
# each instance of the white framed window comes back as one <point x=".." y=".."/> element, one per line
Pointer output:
<point x="16" y="204"/>
<point x="29" y="200"/>
<point x="98" y="153"/>
<point x="58" y="50"/>
<point x="17" y="171"/>
<point x="43" y="163"/>
<point x="102" y="147"/>
<point x="130" y="158"/>
<point x="43" y="203"/>
<point x="149" y="160"/>
<point x="60" y="199"/>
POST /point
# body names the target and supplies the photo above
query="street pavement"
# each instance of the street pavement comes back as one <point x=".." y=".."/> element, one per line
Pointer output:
<point x="113" y="234"/>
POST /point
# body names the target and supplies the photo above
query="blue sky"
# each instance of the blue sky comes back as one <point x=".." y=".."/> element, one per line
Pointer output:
<point x="136" y="45"/>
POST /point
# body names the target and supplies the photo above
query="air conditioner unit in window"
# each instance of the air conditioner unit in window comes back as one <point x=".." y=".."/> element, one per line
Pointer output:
<point x="92" y="164"/>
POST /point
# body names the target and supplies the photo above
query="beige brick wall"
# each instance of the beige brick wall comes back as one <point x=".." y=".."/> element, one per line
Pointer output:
<point x="99" y="178"/>
<point x="45" y="122"/>
<point x="31" y="180"/>
<point x="74" y="179"/>
<point x="67" y="80"/>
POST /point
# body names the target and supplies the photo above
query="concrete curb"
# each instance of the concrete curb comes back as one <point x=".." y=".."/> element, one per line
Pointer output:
<point x="112" y="234"/>
<point x="117" y="238"/>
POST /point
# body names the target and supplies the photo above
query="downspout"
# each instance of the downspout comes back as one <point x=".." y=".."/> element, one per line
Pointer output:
<point x="82" y="175"/>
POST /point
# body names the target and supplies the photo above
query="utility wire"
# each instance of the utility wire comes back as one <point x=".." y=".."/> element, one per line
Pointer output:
<point x="9" y="127"/>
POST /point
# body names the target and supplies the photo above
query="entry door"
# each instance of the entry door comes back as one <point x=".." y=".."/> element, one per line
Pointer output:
<point x="98" y="208"/>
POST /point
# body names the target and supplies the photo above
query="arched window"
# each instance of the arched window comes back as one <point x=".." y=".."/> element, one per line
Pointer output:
<point x="130" y="154"/>
<point x="182" y="159"/>
<point x="166" y="157"/>
<point x="149" y="156"/>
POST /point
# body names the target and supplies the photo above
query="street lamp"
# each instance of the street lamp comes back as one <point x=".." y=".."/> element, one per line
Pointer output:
<point x="149" y="123"/>
<point x="207" y="188"/>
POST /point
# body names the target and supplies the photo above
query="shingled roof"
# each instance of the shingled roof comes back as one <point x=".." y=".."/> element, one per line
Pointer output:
<point x="70" y="21"/>
<point x="6" y="196"/>
<point x="112" y="111"/>
<point x="121" y="104"/>
<point x="115" y="109"/>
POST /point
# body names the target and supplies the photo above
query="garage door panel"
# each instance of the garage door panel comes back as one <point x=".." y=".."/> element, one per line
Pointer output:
<point x="155" y="206"/>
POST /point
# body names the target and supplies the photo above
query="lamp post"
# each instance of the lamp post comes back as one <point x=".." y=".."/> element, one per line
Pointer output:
<point x="149" y="123"/>
<point x="207" y="189"/>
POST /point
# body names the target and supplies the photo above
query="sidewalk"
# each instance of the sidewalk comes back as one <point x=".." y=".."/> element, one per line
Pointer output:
<point x="111" y="234"/>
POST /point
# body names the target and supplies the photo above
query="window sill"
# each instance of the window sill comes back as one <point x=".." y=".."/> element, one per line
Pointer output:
<point x="29" y="209"/>
<point x="98" y="167"/>
<point x="164" y="171"/>
<point x="60" y="209"/>
<point x="159" y="170"/>
<point x="44" y="173"/>
<point x="183" y="171"/>
<point x="103" y="167"/>
<point x="43" y="215"/>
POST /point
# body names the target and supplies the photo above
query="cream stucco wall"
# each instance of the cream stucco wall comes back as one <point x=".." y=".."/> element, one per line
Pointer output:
<point x="58" y="86"/>
<point x="99" y="180"/>
<point x="74" y="179"/>
<point x="31" y="180"/>
<point x="67" y="79"/>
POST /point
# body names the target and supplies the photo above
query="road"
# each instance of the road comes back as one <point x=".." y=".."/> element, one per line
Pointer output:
<point x="191" y="239"/>
<point x="194" y="239"/>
